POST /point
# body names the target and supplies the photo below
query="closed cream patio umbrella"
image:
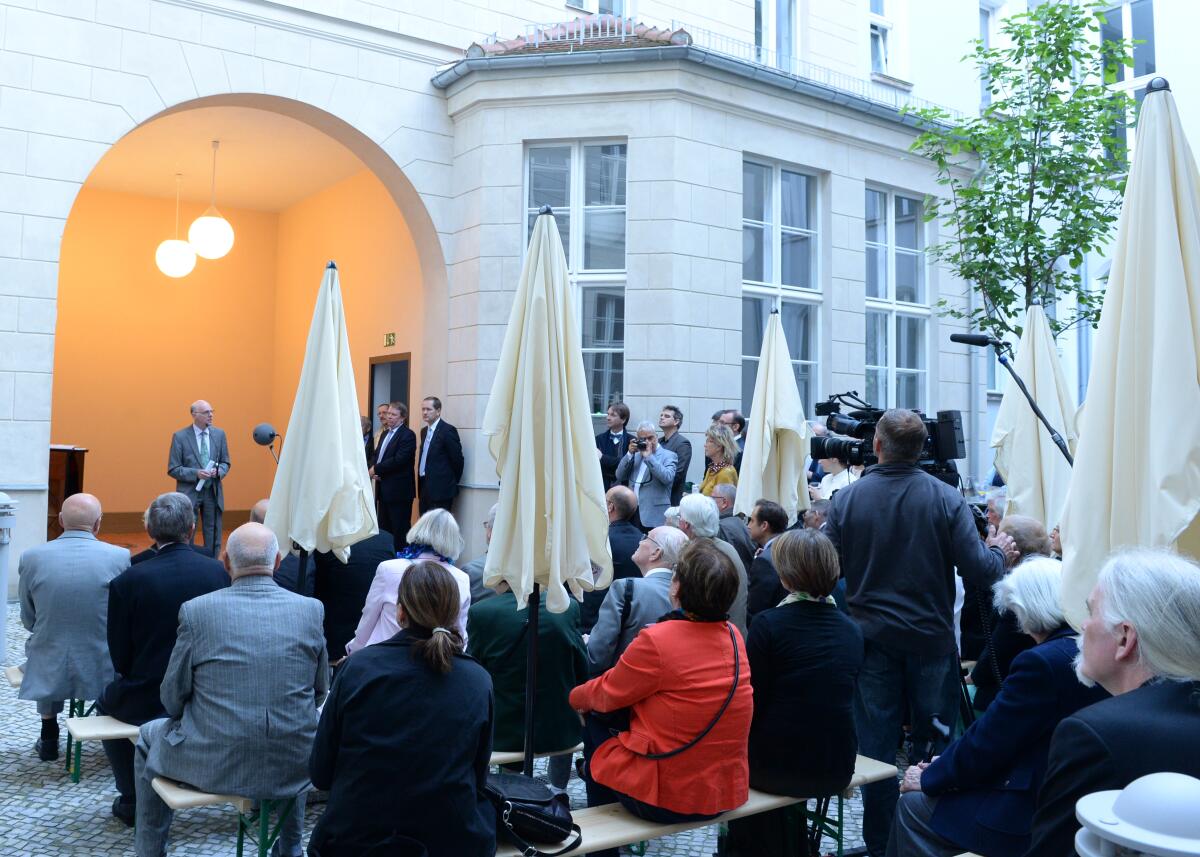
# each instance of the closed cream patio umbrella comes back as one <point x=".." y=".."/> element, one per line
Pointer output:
<point x="552" y="523"/>
<point x="1136" y="479"/>
<point x="1032" y="466"/>
<point x="322" y="498"/>
<point x="777" y="439"/>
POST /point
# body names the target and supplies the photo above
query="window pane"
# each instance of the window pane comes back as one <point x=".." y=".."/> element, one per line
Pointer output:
<point x="604" y="238"/>
<point x="909" y="227"/>
<point x="804" y="374"/>
<point x="754" y="324"/>
<point x="1113" y="30"/>
<point x="603" y="317"/>
<point x="605" y="373"/>
<point x="878" y="49"/>
<point x="785" y="21"/>
<point x="563" y="218"/>
<point x="756" y="253"/>
<point x="749" y="374"/>
<point x="877" y="349"/>
<point x="910" y="277"/>
<point x="604" y="175"/>
<point x="1142" y="13"/>
<point x="876" y="223"/>
<point x="796" y="200"/>
<point x="877" y="7"/>
<point x="796" y="257"/>
<point x="876" y="272"/>
<point x="550" y="176"/>
<point x="910" y="390"/>
<point x="798" y="320"/>
<point x="910" y="342"/>
<point x="756" y="192"/>
<point x="876" y="387"/>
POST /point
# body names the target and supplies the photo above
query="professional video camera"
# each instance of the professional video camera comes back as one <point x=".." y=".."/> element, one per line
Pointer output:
<point x="944" y="444"/>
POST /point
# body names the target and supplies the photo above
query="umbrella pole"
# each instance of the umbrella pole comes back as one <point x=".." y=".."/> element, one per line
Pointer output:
<point x="531" y="677"/>
<point x="1054" y="435"/>
<point x="302" y="573"/>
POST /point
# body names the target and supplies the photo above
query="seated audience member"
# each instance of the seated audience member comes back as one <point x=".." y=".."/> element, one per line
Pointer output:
<point x="814" y="518"/>
<point x="498" y="641"/>
<point x="64" y="606"/>
<point x="1007" y="638"/>
<point x="474" y="568"/>
<point x="241" y="693"/>
<point x="671" y="517"/>
<point x="804" y="659"/>
<point x="979" y="794"/>
<point x="997" y="500"/>
<point x="342" y="587"/>
<point x="837" y="475"/>
<point x="623" y="538"/>
<point x="699" y="521"/>
<point x="636" y="602"/>
<point x="405" y="738"/>
<point x="649" y="470"/>
<point x="732" y="528"/>
<point x="143" y="617"/>
<point x="767" y="522"/>
<point x="1141" y="643"/>
<point x="720" y="452"/>
<point x="288" y="573"/>
<point x="434" y="537"/>
<point x="685" y="679"/>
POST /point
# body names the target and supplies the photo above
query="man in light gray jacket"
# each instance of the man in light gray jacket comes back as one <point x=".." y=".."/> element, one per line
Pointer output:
<point x="64" y="606"/>
<point x="635" y="602"/>
<point x="247" y="673"/>
<point x="649" y="470"/>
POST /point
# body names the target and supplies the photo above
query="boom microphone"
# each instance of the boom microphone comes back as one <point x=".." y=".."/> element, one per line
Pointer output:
<point x="973" y="339"/>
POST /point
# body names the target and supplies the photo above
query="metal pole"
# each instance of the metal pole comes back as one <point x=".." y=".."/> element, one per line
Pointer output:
<point x="531" y="676"/>
<point x="1054" y="435"/>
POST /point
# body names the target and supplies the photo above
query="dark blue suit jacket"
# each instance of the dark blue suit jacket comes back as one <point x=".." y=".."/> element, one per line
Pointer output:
<point x="623" y="539"/>
<point x="987" y="781"/>
<point x="611" y="455"/>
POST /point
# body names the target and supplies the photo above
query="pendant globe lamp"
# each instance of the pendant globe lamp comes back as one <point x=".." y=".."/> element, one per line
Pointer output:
<point x="175" y="257"/>
<point x="210" y="233"/>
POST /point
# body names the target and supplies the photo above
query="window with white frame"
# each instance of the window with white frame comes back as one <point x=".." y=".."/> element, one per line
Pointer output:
<point x="1131" y="20"/>
<point x="897" y="307"/>
<point x="985" y="38"/>
<point x="584" y="184"/>
<point x="776" y="21"/>
<point x="779" y="267"/>
<point x="881" y="29"/>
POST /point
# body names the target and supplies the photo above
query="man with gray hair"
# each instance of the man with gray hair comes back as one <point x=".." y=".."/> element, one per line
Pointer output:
<point x="649" y="470"/>
<point x="635" y="602"/>
<point x="699" y="519"/>
<point x="474" y="568"/>
<point x="64" y="606"/>
<point x="1141" y="643"/>
<point x="246" y="676"/>
<point x="143" y="606"/>
<point x="732" y="528"/>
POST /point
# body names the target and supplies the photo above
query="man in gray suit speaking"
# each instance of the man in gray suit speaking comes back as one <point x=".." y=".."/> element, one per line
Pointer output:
<point x="246" y="675"/>
<point x="198" y="462"/>
<point x="64" y="606"/>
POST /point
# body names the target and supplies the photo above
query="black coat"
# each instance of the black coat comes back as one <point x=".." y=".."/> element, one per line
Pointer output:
<point x="1008" y="641"/>
<point x="395" y="468"/>
<point x="143" y="617"/>
<point x="765" y="590"/>
<point x="623" y="539"/>
<point x="443" y="463"/>
<point x="287" y="575"/>
<point x="152" y="551"/>
<point x="611" y="455"/>
<point x="404" y="750"/>
<point x="343" y="588"/>
<point x="1109" y="745"/>
<point x="804" y="664"/>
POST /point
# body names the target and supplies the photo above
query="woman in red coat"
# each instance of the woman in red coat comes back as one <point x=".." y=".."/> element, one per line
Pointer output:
<point x="685" y="679"/>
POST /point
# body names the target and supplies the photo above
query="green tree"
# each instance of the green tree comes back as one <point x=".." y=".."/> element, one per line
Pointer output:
<point x="1035" y="182"/>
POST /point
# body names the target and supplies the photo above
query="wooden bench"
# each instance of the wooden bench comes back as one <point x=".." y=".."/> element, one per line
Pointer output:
<point x="178" y="796"/>
<point x="93" y="728"/>
<point x="501" y="757"/>
<point x="14" y="676"/>
<point x="611" y="825"/>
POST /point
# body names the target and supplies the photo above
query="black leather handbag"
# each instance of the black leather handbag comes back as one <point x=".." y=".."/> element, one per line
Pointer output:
<point x="529" y="811"/>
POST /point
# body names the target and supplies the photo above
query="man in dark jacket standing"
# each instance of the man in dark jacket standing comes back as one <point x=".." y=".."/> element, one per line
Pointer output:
<point x="613" y="443"/>
<point x="393" y="470"/>
<point x="143" y="616"/>
<point x="671" y="421"/>
<point x="901" y="534"/>
<point x="440" y="462"/>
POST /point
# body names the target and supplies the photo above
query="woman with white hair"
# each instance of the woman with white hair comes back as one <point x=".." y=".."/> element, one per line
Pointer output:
<point x="980" y="794"/>
<point x="434" y="537"/>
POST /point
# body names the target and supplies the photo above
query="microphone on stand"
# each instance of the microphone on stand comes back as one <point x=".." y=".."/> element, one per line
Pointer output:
<point x="264" y="435"/>
<point x="980" y="339"/>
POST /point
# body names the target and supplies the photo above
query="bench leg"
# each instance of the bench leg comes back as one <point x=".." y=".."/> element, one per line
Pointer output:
<point x="266" y="836"/>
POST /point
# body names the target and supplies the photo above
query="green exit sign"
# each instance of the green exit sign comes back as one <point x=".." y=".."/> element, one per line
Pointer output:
<point x="389" y="340"/>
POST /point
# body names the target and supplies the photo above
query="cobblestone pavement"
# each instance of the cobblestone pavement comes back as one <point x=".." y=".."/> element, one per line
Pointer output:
<point x="44" y="813"/>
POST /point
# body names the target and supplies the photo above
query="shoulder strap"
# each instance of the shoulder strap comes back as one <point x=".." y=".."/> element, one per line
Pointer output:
<point x="724" y="705"/>
<point x="627" y="606"/>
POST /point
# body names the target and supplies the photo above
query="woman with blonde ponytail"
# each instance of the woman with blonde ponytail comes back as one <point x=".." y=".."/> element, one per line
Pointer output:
<point x="405" y="737"/>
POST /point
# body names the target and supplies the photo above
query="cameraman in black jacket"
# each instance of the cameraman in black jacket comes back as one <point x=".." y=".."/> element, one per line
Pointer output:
<point x="901" y="534"/>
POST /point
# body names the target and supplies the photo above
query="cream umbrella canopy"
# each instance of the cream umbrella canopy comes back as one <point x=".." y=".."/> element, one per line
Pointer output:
<point x="552" y="522"/>
<point x="1136" y="479"/>
<point x="777" y="443"/>
<point x="1032" y="466"/>
<point x="322" y="498"/>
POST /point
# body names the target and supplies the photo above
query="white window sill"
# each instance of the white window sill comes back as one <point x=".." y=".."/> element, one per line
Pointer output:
<point x="888" y="80"/>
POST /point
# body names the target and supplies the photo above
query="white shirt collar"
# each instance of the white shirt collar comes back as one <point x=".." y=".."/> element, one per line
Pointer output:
<point x="434" y="425"/>
<point x="198" y="431"/>
<point x="658" y="571"/>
